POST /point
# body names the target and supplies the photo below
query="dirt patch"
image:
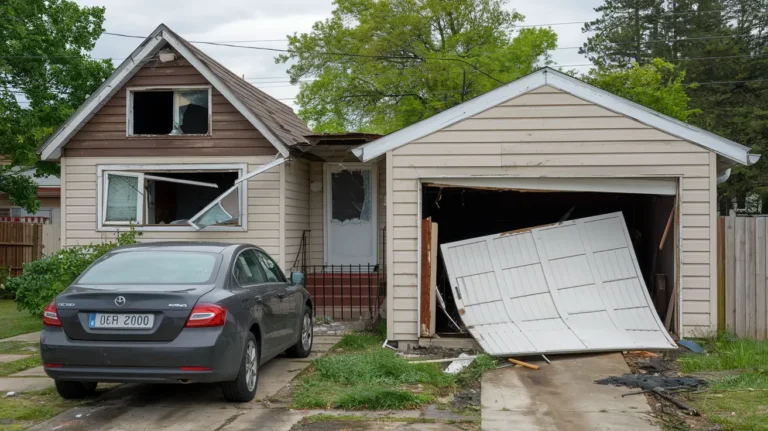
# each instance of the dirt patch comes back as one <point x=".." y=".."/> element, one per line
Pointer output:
<point x="467" y="398"/>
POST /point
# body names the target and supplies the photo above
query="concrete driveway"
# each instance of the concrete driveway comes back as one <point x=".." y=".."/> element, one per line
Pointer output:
<point x="563" y="396"/>
<point x="191" y="407"/>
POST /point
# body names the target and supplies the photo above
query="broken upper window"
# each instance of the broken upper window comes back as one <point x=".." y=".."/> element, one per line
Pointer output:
<point x="351" y="194"/>
<point x="171" y="198"/>
<point x="169" y="112"/>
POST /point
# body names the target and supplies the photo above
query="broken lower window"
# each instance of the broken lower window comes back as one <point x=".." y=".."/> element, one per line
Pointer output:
<point x="168" y="198"/>
<point x="169" y="112"/>
<point x="224" y="211"/>
<point x="351" y="195"/>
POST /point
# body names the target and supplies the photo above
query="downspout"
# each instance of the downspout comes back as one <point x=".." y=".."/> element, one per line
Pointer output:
<point x="723" y="176"/>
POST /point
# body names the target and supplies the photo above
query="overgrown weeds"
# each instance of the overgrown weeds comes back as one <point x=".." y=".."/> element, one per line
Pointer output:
<point x="726" y="352"/>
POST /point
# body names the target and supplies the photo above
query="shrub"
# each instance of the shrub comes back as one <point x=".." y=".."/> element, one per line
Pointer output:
<point x="45" y="278"/>
<point x="5" y="292"/>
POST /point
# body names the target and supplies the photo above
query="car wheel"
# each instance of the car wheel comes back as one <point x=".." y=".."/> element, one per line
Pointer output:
<point x="243" y="388"/>
<point x="303" y="347"/>
<point x="75" y="390"/>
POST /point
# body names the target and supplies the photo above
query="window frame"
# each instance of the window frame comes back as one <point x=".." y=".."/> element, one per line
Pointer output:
<point x="103" y="170"/>
<point x="176" y="89"/>
<point x="139" y="198"/>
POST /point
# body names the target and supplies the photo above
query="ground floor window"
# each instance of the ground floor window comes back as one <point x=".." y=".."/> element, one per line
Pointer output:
<point x="172" y="198"/>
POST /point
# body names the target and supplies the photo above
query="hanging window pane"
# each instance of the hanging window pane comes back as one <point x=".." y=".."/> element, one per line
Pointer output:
<point x="123" y="198"/>
<point x="193" y="112"/>
<point x="351" y="195"/>
<point x="224" y="211"/>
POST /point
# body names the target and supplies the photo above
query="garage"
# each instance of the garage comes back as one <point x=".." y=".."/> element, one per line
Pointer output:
<point x="544" y="149"/>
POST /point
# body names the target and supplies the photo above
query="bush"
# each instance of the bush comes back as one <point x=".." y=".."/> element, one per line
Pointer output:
<point x="5" y="292"/>
<point x="45" y="278"/>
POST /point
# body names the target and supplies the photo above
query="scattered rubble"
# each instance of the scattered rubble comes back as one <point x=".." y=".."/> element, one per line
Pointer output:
<point x="650" y="382"/>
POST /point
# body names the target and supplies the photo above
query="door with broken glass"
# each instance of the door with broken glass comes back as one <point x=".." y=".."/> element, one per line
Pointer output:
<point x="351" y="217"/>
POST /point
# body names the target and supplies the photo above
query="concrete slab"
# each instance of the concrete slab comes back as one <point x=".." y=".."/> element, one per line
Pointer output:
<point x="265" y="419"/>
<point x="32" y="372"/>
<point x="32" y="337"/>
<point x="23" y="384"/>
<point x="11" y="358"/>
<point x="562" y="396"/>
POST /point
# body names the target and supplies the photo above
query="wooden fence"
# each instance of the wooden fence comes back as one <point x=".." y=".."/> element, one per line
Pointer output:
<point x="743" y="274"/>
<point x="20" y="243"/>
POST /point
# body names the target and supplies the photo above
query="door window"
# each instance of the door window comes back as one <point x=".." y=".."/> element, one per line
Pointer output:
<point x="247" y="270"/>
<point x="273" y="272"/>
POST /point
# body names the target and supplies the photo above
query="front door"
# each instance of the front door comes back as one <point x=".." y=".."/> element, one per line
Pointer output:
<point x="351" y="217"/>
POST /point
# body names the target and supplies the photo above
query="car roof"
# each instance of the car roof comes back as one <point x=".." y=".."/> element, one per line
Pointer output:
<point x="199" y="246"/>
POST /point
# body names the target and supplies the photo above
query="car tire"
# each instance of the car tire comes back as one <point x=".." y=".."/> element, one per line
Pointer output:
<point x="303" y="346"/>
<point x="243" y="388"/>
<point x="75" y="390"/>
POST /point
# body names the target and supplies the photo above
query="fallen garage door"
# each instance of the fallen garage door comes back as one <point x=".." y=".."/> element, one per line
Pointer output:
<point x="571" y="287"/>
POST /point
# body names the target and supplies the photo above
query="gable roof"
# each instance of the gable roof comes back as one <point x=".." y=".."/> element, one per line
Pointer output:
<point x="275" y="120"/>
<point x="733" y="152"/>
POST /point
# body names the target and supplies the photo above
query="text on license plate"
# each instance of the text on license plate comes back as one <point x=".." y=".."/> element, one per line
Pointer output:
<point x="125" y="321"/>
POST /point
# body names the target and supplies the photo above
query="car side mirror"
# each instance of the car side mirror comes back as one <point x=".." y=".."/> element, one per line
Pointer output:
<point x="297" y="278"/>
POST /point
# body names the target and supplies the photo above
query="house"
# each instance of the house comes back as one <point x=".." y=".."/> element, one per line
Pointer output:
<point x="542" y="149"/>
<point x="183" y="149"/>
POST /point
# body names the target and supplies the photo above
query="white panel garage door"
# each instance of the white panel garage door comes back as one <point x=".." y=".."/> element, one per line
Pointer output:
<point x="572" y="287"/>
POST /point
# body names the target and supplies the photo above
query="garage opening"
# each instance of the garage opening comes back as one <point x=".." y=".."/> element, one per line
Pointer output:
<point x="468" y="212"/>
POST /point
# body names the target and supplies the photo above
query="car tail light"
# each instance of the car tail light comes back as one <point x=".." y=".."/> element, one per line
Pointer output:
<point x="206" y="315"/>
<point x="195" y="369"/>
<point x="50" y="315"/>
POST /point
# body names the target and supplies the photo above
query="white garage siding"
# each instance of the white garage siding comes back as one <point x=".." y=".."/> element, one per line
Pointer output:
<point x="549" y="133"/>
<point x="78" y="196"/>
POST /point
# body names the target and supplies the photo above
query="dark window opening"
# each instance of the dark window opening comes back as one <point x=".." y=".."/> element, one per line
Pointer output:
<point x="152" y="112"/>
<point x="349" y="190"/>
<point x="175" y="203"/>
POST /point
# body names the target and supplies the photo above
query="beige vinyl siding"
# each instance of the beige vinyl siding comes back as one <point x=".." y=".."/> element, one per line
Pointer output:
<point x="79" y="187"/>
<point x="549" y="133"/>
<point x="296" y="210"/>
<point x="317" y="214"/>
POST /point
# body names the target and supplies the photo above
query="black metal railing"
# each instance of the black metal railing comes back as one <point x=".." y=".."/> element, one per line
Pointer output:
<point x="346" y="292"/>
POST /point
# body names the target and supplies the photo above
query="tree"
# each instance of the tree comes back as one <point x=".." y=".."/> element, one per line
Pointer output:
<point x="45" y="74"/>
<point x="378" y="66"/>
<point x="657" y="85"/>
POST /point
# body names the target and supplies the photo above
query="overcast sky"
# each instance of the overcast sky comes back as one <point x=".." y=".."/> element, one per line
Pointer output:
<point x="271" y="21"/>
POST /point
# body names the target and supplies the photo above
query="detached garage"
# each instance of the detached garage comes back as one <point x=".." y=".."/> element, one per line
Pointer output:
<point x="541" y="150"/>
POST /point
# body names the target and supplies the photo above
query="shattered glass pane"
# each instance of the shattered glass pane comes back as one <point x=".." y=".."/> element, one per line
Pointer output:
<point x="193" y="112"/>
<point x="122" y="198"/>
<point x="226" y="211"/>
<point x="351" y="195"/>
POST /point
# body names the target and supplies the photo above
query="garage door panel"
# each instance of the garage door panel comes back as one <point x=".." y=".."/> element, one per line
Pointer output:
<point x="561" y="241"/>
<point x="525" y="280"/>
<point x="571" y="271"/>
<point x="572" y="287"/>
<point x="516" y="250"/>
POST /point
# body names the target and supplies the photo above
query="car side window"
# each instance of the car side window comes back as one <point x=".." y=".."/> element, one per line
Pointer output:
<point x="247" y="270"/>
<point x="273" y="272"/>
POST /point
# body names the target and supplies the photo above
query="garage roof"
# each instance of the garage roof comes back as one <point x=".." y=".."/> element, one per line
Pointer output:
<point x="732" y="151"/>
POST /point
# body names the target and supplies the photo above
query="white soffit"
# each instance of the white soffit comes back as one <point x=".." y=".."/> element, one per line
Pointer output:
<point x="660" y="186"/>
<point x="571" y="287"/>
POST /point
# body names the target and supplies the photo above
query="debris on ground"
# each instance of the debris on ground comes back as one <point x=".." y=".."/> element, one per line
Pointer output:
<point x="691" y="345"/>
<point x="652" y="365"/>
<point x="459" y="365"/>
<point x="650" y="382"/>
<point x="523" y="364"/>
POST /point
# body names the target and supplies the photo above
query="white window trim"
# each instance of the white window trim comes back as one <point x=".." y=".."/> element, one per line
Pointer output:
<point x="176" y="89"/>
<point x="330" y="167"/>
<point x="240" y="168"/>
<point x="139" y="197"/>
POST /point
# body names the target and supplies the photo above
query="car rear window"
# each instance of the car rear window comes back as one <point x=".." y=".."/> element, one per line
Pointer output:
<point x="153" y="267"/>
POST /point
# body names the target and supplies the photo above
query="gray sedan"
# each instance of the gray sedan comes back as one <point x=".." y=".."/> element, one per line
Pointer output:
<point x="175" y="313"/>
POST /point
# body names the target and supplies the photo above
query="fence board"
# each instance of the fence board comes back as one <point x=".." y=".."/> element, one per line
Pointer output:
<point x="20" y="243"/>
<point x="760" y="262"/>
<point x="744" y="268"/>
<point x="721" y="274"/>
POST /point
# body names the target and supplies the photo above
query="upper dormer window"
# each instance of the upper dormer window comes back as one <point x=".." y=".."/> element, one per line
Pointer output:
<point x="169" y="111"/>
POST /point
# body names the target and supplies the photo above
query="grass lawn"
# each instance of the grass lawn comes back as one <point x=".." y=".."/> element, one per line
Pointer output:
<point x="14" y="322"/>
<point x="19" y="348"/>
<point x="738" y="401"/>
<point x="8" y="368"/>
<point x="26" y="409"/>
<point x="359" y="374"/>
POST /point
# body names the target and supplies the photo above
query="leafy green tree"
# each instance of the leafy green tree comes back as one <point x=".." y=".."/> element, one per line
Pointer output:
<point x="380" y="65"/>
<point x="657" y="85"/>
<point x="46" y="72"/>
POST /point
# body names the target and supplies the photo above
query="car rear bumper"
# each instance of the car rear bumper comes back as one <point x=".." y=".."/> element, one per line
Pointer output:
<point x="218" y="352"/>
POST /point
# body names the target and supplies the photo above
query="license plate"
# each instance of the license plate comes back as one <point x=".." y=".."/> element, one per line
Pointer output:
<point x="121" y="321"/>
